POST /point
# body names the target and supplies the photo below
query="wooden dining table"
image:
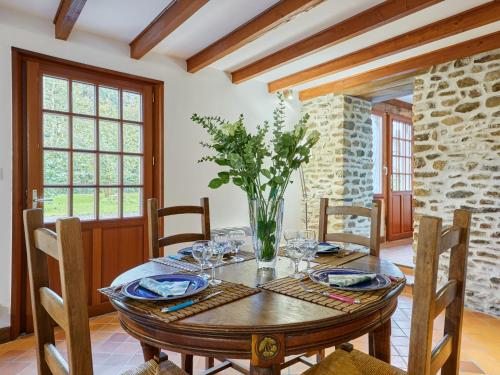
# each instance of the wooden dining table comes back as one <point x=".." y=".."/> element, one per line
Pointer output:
<point x="234" y="330"/>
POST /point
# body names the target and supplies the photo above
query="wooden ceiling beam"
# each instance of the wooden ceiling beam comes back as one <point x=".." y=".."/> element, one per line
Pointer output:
<point x="468" y="20"/>
<point x="276" y="15"/>
<point x="381" y="14"/>
<point x="66" y="16"/>
<point x="174" y="15"/>
<point x="453" y="52"/>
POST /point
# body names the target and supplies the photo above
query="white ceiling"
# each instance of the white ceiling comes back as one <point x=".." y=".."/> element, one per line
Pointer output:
<point x="122" y="20"/>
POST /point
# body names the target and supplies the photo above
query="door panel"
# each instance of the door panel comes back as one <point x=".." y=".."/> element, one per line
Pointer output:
<point x="400" y="218"/>
<point x="90" y="154"/>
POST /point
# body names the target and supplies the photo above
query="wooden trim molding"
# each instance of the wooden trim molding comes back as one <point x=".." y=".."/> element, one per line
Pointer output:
<point x="4" y="335"/>
<point x="468" y="20"/>
<point x="414" y="64"/>
<point x="66" y="16"/>
<point x="174" y="15"/>
<point x="381" y="14"/>
<point x="272" y="17"/>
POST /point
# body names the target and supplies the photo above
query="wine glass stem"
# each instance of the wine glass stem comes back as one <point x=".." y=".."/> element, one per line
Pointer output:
<point x="296" y="266"/>
<point x="308" y="264"/>
<point x="213" y="271"/>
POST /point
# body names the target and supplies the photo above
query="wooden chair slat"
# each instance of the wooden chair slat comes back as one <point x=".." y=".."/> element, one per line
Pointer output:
<point x="441" y="353"/>
<point x="54" y="305"/>
<point x="180" y="238"/>
<point x="349" y="210"/>
<point x="374" y="213"/>
<point x="445" y="296"/>
<point x="46" y="240"/>
<point x="450" y="238"/>
<point x="179" y="210"/>
<point x="349" y="238"/>
<point x="55" y="361"/>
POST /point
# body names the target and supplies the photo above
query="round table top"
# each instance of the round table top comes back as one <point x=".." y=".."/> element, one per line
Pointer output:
<point x="262" y="312"/>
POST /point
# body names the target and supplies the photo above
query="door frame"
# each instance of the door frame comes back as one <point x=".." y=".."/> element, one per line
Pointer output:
<point x="385" y="193"/>
<point x="19" y="163"/>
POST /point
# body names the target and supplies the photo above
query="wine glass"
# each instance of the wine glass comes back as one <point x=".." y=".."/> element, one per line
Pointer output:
<point x="202" y="250"/>
<point x="221" y="241"/>
<point x="290" y="235"/>
<point x="218" y="250"/>
<point x="309" y="237"/>
<point x="307" y="234"/>
<point x="295" y="250"/>
<point x="237" y="238"/>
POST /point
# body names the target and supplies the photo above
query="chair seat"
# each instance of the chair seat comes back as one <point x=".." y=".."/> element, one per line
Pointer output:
<point x="153" y="368"/>
<point x="343" y="362"/>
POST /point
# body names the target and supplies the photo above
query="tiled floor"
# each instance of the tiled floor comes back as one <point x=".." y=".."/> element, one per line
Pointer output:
<point x="399" y="252"/>
<point x="114" y="351"/>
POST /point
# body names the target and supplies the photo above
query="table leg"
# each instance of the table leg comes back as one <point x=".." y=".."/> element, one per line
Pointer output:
<point x="149" y="352"/>
<point x="187" y="363"/>
<point x="379" y="341"/>
<point x="268" y="353"/>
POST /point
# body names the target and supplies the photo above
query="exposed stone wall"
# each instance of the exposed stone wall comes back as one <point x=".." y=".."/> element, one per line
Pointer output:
<point x="457" y="162"/>
<point x="341" y="163"/>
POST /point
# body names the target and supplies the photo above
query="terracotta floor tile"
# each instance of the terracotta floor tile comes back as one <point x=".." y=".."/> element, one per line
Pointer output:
<point x="114" y="350"/>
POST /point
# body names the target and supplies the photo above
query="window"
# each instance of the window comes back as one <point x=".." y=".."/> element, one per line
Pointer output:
<point x="401" y="156"/>
<point x="377" y="144"/>
<point x="93" y="153"/>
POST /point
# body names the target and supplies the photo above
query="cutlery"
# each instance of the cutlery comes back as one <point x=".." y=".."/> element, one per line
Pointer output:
<point x="332" y="295"/>
<point x="176" y="257"/>
<point x="189" y="303"/>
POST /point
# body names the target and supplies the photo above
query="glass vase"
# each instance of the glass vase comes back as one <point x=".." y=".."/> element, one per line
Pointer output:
<point x="266" y="219"/>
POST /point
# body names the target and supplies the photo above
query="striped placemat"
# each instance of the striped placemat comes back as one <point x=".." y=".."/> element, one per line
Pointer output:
<point x="295" y="288"/>
<point x="231" y="292"/>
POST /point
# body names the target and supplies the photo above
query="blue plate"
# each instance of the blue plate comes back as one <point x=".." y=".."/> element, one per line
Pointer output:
<point x="325" y="248"/>
<point x="186" y="251"/>
<point x="379" y="282"/>
<point x="133" y="290"/>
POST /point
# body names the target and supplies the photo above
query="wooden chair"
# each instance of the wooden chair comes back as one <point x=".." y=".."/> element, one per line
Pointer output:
<point x="374" y="214"/>
<point x="156" y="242"/>
<point x="70" y="311"/>
<point x="154" y="214"/>
<point x="423" y="359"/>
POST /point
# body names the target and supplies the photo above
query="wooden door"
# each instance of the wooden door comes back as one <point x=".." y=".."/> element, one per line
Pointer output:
<point x="89" y="152"/>
<point x="400" y="211"/>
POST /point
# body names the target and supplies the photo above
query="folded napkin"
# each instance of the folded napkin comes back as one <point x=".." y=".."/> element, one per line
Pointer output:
<point x="350" y="279"/>
<point x="166" y="288"/>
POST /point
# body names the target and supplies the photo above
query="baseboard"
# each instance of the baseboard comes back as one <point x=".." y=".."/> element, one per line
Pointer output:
<point x="4" y="334"/>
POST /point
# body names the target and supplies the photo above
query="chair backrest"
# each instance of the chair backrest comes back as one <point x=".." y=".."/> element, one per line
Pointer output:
<point x="155" y="214"/>
<point x="428" y="304"/>
<point x="70" y="311"/>
<point x="374" y="214"/>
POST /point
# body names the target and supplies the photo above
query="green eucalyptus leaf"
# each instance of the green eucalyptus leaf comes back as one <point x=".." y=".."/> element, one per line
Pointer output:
<point x="215" y="183"/>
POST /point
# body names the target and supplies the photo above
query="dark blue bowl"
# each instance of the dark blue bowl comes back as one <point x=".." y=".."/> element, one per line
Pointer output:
<point x="196" y="285"/>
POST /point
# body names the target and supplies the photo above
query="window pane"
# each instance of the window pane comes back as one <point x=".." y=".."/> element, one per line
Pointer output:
<point x="83" y="133"/>
<point x="84" y="203"/>
<point x="55" y="130"/>
<point x="83" y="97"/>
<point x="377" y="153"/>
<point x="402" y="182"/>
<point x="132" y="170"/>
<point x="394" y="182"/>
<point x="109" y="169"/>
<point x="58" y="207"/>
<point x="84" y="168"/>
<point x="408" y="182"/>
<point x="394" y="164"/>
<point x="132" y="202"/>
<point x="109" y="102"/>
<point x="132" y="138"/>
<point x="408" y="166"/>
<point x="55" y="168"/>
<point x="109" y="135"/>
<point x="132" y="106"/>
<point x="55" y="94"/>
<point x="109" y="203"/>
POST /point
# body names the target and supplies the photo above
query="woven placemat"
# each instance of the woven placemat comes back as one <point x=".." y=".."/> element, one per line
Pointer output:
<point x="293" y="288"/>
<point x="334" y="259"/>
<point x="231" y="292"/>
<point x="188" y="263"/>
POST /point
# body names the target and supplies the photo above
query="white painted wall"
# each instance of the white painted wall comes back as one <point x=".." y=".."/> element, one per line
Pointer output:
<point x="207" y="92"/>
